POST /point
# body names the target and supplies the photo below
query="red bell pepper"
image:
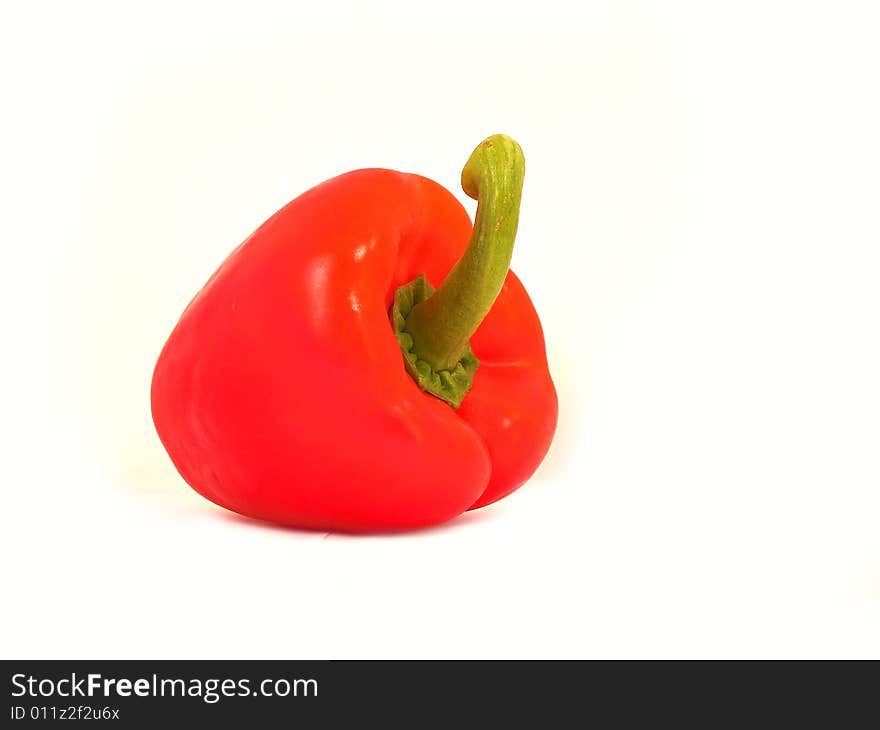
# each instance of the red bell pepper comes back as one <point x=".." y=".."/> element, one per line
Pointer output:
<point x="317" y="380"/>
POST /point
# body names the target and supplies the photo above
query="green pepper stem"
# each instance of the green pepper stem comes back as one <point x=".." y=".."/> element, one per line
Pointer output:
<point x="442" y="325"/>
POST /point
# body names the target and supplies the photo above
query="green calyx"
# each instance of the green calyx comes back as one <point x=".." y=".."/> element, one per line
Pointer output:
<point x="434" y="327"/>
<point x="449" y="384"/>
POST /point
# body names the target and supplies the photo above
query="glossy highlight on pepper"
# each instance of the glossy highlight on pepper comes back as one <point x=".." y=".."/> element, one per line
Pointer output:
<point x="364" y="361"/>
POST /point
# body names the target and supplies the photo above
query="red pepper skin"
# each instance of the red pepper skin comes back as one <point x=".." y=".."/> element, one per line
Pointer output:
<point x="281" y="394"/>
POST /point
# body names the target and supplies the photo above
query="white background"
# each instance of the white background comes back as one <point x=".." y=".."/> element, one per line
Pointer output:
<point x="700" y="234"/>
